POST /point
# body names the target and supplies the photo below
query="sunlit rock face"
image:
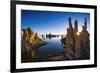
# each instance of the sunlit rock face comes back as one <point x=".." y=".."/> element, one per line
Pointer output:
<point x="69" y="42"/>
<point x="29" y="42"/>
<point x="77" y="43"/>
<point x="77" y="40"/>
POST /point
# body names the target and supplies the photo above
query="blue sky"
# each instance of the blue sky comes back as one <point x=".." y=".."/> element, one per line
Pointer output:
<point x="44" y="22"/>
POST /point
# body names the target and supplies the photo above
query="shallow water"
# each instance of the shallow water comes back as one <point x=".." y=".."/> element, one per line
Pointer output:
<point x="53" y="48"/>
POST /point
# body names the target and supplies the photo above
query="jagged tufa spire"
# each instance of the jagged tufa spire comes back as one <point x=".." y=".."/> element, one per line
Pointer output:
<point x="70" y="23"/>
<point x="76" y="25"/>
<point x="85" y="22"/>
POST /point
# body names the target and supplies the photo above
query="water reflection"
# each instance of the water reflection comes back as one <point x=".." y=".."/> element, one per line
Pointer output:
<point x="53" y="48"/>
<point x="50" y="37"/>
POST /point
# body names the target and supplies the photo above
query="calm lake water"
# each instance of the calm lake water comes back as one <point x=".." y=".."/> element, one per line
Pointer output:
<point x="52" y="48"/>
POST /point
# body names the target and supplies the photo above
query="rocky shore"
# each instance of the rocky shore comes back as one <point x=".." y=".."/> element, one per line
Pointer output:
<point x="30" y="42"/>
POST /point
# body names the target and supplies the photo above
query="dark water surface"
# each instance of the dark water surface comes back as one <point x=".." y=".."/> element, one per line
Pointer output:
<point x="52" y="48"/>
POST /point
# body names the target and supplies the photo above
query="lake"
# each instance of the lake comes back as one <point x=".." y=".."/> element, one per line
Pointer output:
<point x="53" y="47"/>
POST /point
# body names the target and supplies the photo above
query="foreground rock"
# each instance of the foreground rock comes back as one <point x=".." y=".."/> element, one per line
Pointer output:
<point x="77" y="44"/>
<point x="29" y="43"/>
